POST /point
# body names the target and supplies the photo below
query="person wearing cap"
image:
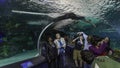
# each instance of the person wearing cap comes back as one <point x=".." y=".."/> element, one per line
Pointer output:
<point x="85" y="37"/>
<point x="77" y="50"/>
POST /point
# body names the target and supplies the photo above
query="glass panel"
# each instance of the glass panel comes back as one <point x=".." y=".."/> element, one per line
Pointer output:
<point x="22" y="21"/>
<point x="18" y="34"/>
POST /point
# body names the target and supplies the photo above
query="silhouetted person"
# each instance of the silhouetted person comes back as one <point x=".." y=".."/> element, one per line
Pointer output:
<point x="52" y="53"/>
<point x="87" y="57"/>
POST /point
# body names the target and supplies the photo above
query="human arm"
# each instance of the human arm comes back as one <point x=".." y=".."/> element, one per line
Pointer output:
<point x="56" y="44"/>
<point x="99" y="50"/>
<point x="75" y="39"/>
<point x="64" y="43"/>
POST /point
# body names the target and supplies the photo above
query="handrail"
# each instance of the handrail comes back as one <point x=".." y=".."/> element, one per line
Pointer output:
<point x="39" y="38"/>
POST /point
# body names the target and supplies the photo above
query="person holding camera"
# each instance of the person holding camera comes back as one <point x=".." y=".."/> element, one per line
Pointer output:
<point x="77" y="49"/>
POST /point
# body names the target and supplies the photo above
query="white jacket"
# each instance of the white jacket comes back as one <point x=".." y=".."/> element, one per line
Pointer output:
<point x="86" y="44"/>
<point x="56" y="41"/>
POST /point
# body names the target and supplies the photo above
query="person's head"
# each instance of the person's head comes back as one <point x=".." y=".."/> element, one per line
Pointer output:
<point x="87" y="56"/>
<point x="49" y="39"/>
<point x="58" y="36"/>
<point x="96" y="40"/>
<point x="94" y="43"/>
<point x="106" y="39"/>
<point x="81" y="37"/>
<point x="90" y="39"/>
<point x="80" y="33"/>
<point x="99" y="43"/>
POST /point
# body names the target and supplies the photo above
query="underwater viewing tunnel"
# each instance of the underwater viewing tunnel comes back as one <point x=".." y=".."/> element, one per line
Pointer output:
<point x="26" y="25"/>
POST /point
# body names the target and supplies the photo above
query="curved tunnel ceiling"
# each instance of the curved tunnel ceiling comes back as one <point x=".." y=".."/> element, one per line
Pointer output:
<point x="93" y="8"/>
<point x="108" y="11"/>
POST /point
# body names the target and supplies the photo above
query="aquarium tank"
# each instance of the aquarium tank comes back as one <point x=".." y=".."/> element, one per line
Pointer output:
<point x="24" y="25"/>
